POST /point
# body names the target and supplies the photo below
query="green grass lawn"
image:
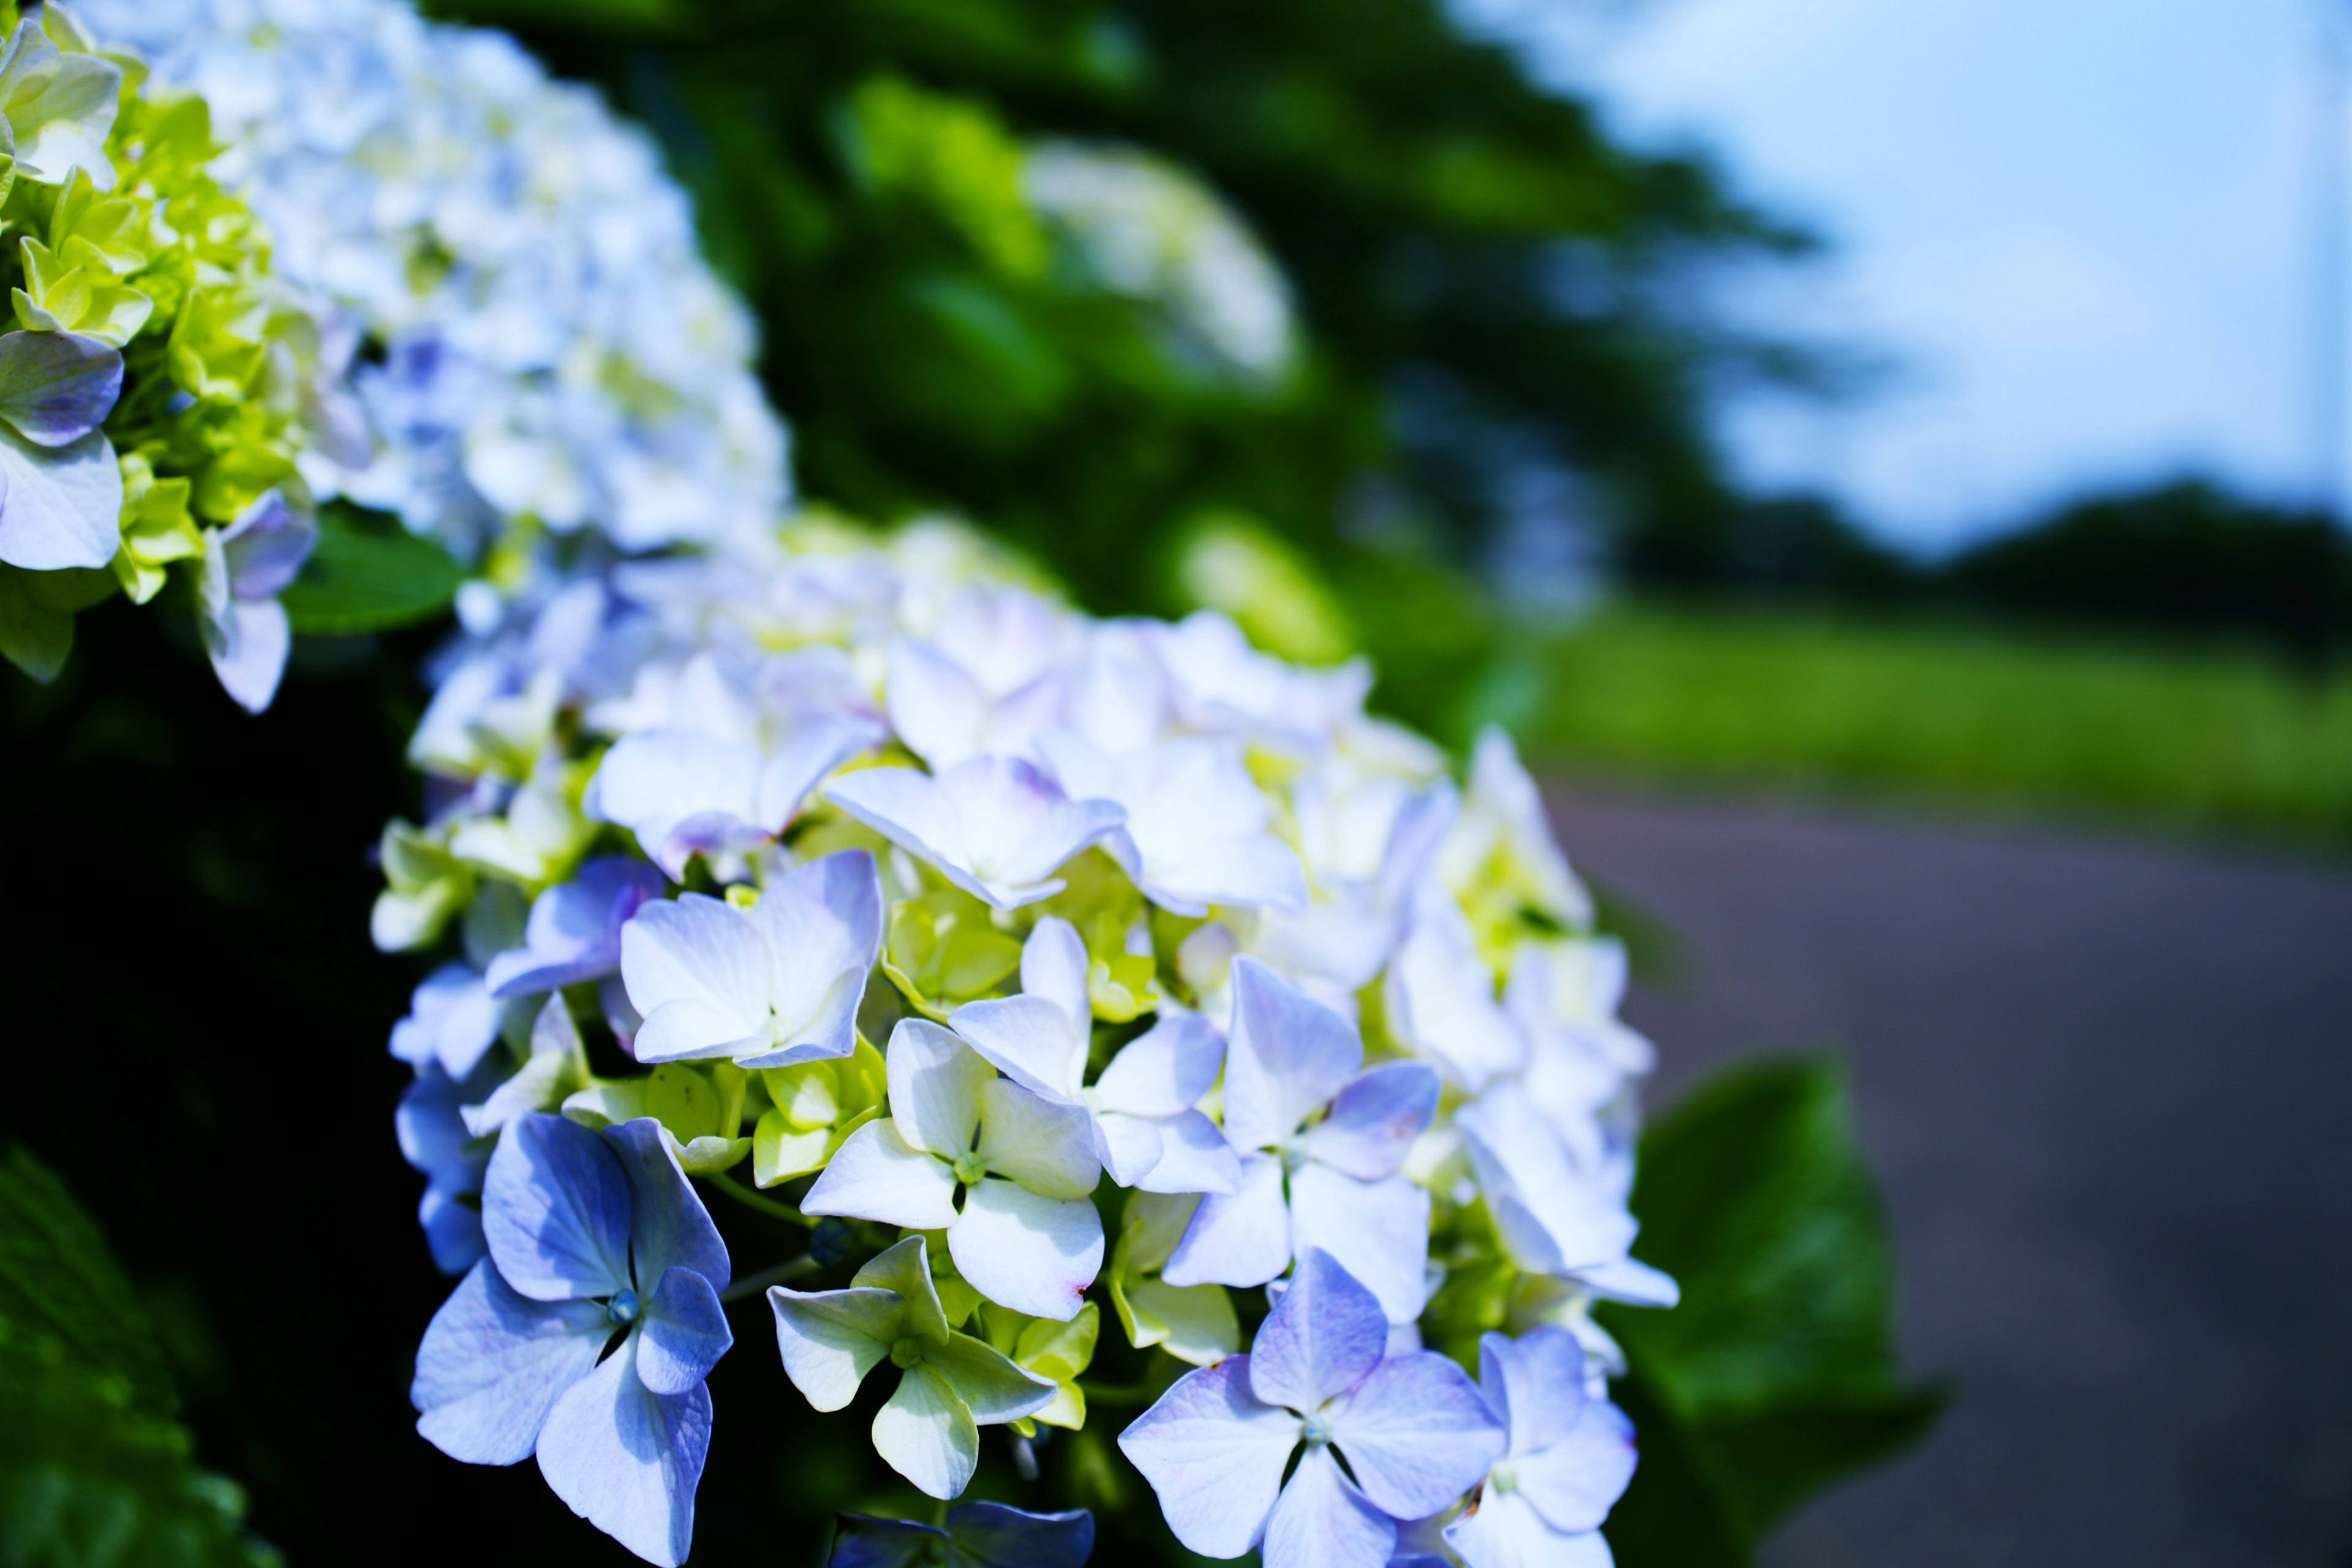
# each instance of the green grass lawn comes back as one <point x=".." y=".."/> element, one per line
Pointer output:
<point x="2208" y="740"/>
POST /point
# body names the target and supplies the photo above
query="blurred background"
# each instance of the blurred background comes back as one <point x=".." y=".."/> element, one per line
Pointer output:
<point x="1886" y="463"/>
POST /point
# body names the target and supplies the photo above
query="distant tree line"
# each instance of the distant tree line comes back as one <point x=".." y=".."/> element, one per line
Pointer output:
<point x="2186" y="558"/>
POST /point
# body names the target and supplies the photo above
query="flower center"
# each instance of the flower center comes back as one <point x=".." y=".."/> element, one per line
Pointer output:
<point x="1502" y="1478"/>
<point x="905" y="1351"/>
<point x="969" y="1170"/>
<point x="1318" y="1430"/>
<point x="623" y="1307"/>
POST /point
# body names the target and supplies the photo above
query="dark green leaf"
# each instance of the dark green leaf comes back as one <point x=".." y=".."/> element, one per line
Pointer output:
<point x="370" y="576"/>
<point x="1777" y="1373"/>
<point x="57" y="1277"/>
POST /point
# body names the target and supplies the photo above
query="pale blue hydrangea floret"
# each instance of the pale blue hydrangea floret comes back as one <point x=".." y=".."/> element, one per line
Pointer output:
<point x="1412" y="1429"/>
<point x="1568" y="1460"/>
<point x="1334" y="1185"/>
<point x="767" y="987"/>
<point x="573" y="932"/>
<point x="61" y="489"/>
<point x="996" y="827"/>
<point x="1027" y="1235"/>
<point x="1147" y="1129"/>
<point x="592" y="1237"/>
<point x="554" y="346"/>
<point x="246" y="566"/>
<point x="973" y="1535"/>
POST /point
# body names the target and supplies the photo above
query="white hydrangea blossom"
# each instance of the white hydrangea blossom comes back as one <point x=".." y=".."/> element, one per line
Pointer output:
<point x="552" y="345"/>
<point x="1149" y="230"/>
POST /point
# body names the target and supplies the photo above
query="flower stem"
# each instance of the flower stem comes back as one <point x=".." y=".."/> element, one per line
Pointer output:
<point x="752" y="1200"/>
<point x="784" y="1273"/>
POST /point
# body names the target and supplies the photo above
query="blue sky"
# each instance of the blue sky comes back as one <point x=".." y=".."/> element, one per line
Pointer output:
<point x="2082" y="229"/>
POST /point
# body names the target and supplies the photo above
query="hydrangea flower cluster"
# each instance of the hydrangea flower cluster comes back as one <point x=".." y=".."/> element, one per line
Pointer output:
<point x="161" y="386"/>
<point x="555" y="356"/>
<point x="925" y="911"/>
<point x="1147" y="229"/>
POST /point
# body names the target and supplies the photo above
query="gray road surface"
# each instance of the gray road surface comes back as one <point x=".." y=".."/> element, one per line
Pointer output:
<point x="2109" y="1090"/>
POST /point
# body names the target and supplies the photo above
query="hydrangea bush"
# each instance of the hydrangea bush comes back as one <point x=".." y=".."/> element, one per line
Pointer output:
<point x="1065" y="978"/>
<point x="1080" y="988"/>
<point x="161" y="385"/>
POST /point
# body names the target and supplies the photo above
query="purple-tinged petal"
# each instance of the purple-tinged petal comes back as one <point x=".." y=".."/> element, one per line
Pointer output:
<point x="1287" y="1057"/>
<point x="652" y="782"/>
<point x="992" y="1535"/>
<point x="1377" y="1231"/>
<point x="829" y="1340"/>
<point x="61" y="506"/>
<point x="1417" y="1433"/>
<point x="452" y="1230"/>
<point x="58" y="387"/>
<point x="1214" y="1452"/>
<point x="1551" y="1219"/>
<point x="555" y="1210"/>
<point x="819" y="744"/>
<point x="451" y="1020"/>
<point x="823" y="924"/>
<point x="628" y="1459"/>
<point x="249" y="646"/>
<point x="1503" y="1531"/>
<point x="861" y="1541"/>
<point x="1323" y="1522"/>
<point x="575" y="929"/>
<point x="1164" y="1070"/>
<point x="265" y="546"/>
<point x="875" y="1175"/>
<point x="670" y="1227"/>
<point x="685" y="1333"/>
<point x="905" y="806"/>
<point x="1193" y="1157"/>
<point x="1535" y="1384"/>
<point x="1576" y="1480"/>
<point x="493" y="1364"/>
<point x="1130" y="1146"/>
<point x="1321" y="1339"/>
<point x="1237" y="1238"/>
<point x="1036" y="1255"/>
<point x="432" y="1131"/>
<point x="1375" y="1118"/>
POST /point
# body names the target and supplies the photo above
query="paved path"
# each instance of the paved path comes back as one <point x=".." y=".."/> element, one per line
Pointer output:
<point x="2109" y="1089"/>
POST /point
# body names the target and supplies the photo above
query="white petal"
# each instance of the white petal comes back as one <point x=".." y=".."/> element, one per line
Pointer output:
<point x="875" y="1175"/>
<point x="1505" y="1532"/>
<point x="699" y="951"/>
<point x="1032" y="1253"/>
<point x="651" y="782"/>
<point x="1164" y="1070"/>
<point x="1046" y="1147"/>
<point x="248" y="646"/>
<point x="1054" y="965"/>
<point x="935" y="707"/>
<point x="830" y="1339"/>
<point x="934" y="1083"/>
<point x="925" y="1435"/>
<point x="1128" y="1146"/>
<point x="1031" y="1038"/>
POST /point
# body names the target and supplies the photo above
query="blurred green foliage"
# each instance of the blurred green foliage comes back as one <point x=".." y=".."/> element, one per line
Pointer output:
<point x="1476" y="266"/>
<point x="1778" y="1371"/>
<point x="367" y="573"/>
<point x="95" y="1470"/>
<point x="2218" y="739"/>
